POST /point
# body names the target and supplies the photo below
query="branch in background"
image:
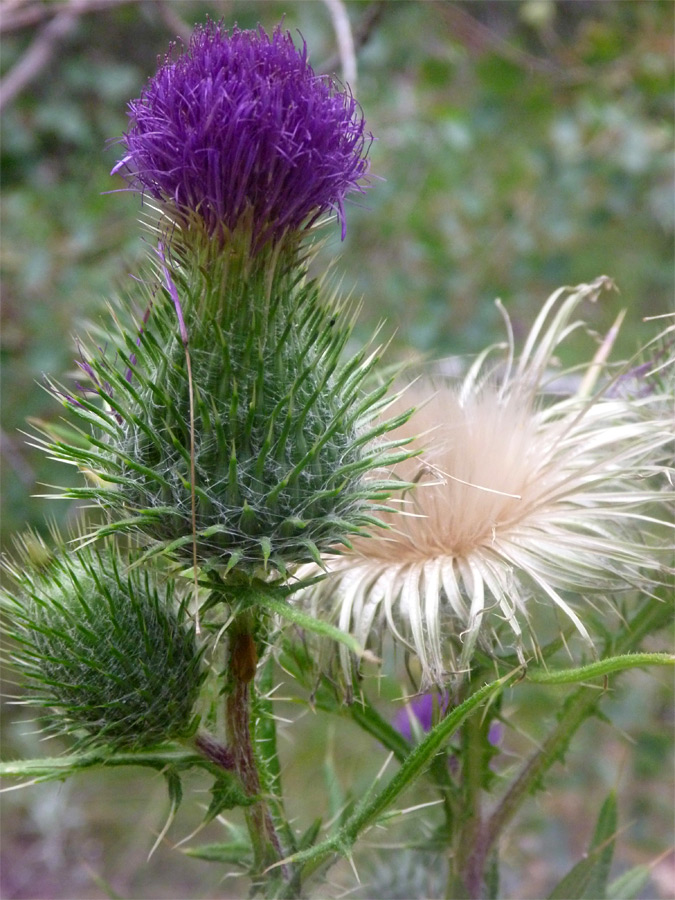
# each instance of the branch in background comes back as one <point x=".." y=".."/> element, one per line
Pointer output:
<point x="60" y="20"/>
<point x="359" y="35"/>
<point x="478" y="38"/>
<point x="18" y="14"/>
<point x="41" y="52"/>
<point x="345" y="40"/>
<point x="173" y="21"/>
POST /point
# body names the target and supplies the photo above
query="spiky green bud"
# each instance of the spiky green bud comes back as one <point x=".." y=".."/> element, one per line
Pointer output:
<point x="283" y="431"/>
<point x="105" y="648"/>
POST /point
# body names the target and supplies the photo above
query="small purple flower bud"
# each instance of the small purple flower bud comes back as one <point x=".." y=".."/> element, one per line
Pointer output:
<point x="422" y="708"/>
<point x="495" y="733"/>
<point x="240" y="131"/>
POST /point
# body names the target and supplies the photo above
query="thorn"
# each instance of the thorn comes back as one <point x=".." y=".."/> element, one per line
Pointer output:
<point x="354" y="870"/>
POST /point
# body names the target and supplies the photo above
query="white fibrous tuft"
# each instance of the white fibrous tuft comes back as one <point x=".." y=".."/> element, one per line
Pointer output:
<point x="522" y="494"/>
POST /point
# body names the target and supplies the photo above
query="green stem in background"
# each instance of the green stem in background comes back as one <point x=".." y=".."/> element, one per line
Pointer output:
<point x="577" y="709"/>
<point x="581" y="704"/>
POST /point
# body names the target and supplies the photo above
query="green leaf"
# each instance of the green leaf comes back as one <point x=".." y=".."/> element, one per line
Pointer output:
<point x="603" y="842"/>
<point x="59" y="767"/>
<point x="175" y="787"/>
<point x="587" y="880"/>
<point x="373" y="805"/>
<point x="226" y="794"/>
<point x="629" y="885"/>
<point x="573" y="885"/>
<point x="309" y="623"/>
<point x="338" y="801"/>
<point x="310" y="835"/>
<point x="297" y="660"/>
<point x="368" y="718"/>
<point x="236" y="853"/>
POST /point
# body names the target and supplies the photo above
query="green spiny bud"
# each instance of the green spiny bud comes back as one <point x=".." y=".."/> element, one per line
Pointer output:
<point x="105" y="647"/>
<point x="284" y="441"/>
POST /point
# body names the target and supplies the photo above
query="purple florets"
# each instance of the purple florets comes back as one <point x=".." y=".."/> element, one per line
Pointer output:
<point x="422" y="708"/>
<point x="240" y="130"/>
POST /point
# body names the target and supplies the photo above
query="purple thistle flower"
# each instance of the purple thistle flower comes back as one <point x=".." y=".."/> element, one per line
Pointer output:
<point x="239" y="130"/>
<point x="422" y="708"/>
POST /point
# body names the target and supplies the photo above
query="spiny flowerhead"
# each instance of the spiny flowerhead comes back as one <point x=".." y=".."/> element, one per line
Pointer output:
<point x="104" y="647"/>
<point x="240" y="131"/>
<point x="287" y="454"/>
<point x="525" y="495"/>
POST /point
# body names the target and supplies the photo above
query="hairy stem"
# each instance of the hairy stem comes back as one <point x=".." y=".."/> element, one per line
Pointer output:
<point x="471" y="825"/>
<point x="242" y="666"/>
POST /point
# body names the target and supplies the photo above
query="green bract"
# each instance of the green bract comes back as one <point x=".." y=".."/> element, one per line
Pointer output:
<point x="106" y="648"/>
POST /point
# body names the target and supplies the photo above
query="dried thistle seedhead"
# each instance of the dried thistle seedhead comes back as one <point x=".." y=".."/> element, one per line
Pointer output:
<point x="522" y="495"/>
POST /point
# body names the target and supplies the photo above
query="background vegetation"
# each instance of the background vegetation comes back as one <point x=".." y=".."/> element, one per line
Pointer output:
<point x="521" y="145"/>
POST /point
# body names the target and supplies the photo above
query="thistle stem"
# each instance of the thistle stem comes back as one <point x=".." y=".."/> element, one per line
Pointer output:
<point x="461" y="876"/>
<point x="269" y="768"/>
<point x="215" y="752"/>
<point x="242" y="666"/>
<point x="577" y="709"/>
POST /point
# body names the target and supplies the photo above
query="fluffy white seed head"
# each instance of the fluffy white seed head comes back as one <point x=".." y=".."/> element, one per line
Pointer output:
<point x="523" y="494"/>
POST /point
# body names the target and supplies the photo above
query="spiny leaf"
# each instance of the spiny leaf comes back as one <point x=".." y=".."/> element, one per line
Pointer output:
<point x="236" y="853"/>
<point x="227" y="793"/>
<point x="600" y="669"/>
<point x="297" y="617"/>
<point x="59" y="767"/>
<point x="310" y="835"/>
<point x="603" y="843"/>
<point x="175" y="788"/>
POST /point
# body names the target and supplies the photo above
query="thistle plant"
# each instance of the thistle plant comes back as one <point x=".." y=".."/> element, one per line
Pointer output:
<point x="265" y="504"/>
<point x="250" y="448"/>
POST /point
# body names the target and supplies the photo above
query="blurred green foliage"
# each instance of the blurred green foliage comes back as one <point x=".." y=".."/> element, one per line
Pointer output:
<point x="521" y="145"/>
